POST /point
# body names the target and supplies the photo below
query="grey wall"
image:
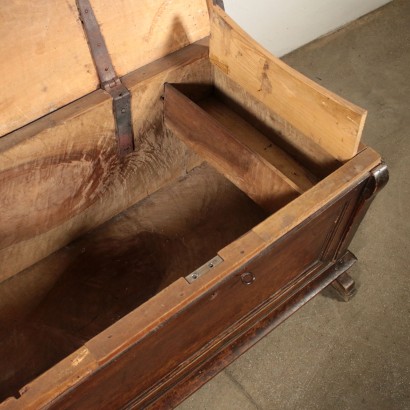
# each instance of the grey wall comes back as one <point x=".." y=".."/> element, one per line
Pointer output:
<point x="284" y="25"/>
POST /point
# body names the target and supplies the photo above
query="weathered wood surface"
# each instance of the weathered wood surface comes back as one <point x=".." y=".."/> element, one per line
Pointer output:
<point x="313" y="157"/>
<point x="60" y="176"/>
<point x="45" y="60"/>
<point x="138" y="32"/>
<point x="114" y="269"/>
<point x="258" y="142"/>
<point x="329" y="120"/>
<point x="65" y="374"/>
<point x="234" y="255"/>
<point x="248" y="170"/>
<point x="242" y="337"/>
<point x="141" y="322"/>
<point x="346" y="176"/>
<point x="49" y="167"/>
<point x="153" y="363"/>
<point x="345" y="286"/>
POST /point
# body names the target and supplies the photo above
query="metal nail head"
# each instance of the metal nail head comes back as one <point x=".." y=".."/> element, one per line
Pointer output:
<point x="248" y="278"/>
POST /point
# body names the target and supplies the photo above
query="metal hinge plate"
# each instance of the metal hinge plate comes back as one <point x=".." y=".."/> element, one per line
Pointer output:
<point x="109" y="80"/>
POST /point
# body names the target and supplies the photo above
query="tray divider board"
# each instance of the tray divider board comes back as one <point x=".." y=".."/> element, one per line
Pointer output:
<point x="258" y="142"/>
<point x="327" y="119"/>
<point x="244" y="167"/>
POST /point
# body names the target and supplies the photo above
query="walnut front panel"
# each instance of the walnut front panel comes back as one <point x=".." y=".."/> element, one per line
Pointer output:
<point x="298" y="254"/>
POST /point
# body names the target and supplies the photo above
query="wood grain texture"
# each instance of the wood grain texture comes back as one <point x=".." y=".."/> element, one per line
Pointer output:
<point x="145" y="320"/>
<point x="65" y="374"/>
<point x="258" y="142"/>
<point x="248" y="170"/>
<point x="114" y="269"/>
<point x="223" y="351"/>
<point x="350" y="174"/>
<point x="156" y="361"/>
<point x="39" y="72"/>
<point x="327" y="119"/>
<point x="54" y="172"/>
<point x="378" y="180"/>
<point x="307" y="152"/>
<point x="138" y="32"/>
<point x="345" y="286"/>
<point x="112" y="305"/>
<point x="63" y="168"/>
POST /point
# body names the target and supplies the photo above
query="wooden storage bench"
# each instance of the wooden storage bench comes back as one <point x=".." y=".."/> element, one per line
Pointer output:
<point x="155" y="228"/>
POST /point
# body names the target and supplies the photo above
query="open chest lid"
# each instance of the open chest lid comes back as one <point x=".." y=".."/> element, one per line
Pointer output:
<point x="55" y="53"/>
<point x="47" y="63"/>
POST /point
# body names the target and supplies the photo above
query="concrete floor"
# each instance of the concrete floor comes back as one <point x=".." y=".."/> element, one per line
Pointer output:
<point x="331" y="354"/>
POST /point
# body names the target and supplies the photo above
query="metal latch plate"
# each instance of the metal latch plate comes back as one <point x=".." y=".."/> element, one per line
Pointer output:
<point x="205" y="268"/>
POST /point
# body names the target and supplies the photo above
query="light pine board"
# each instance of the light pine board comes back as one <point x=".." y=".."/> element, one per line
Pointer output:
<point x="275" y="127"/>
<point x="332" y="122"/>
<point x="45" y="60"/>
<point x="138" y="32"/>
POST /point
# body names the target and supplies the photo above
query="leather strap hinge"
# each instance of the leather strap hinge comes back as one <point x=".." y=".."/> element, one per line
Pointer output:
<point x="109" y="80"/>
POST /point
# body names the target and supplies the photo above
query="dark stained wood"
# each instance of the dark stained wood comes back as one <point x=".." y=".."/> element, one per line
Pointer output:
<point x="118" y="267"/>
<point x="379" y="177"/>
<point x="270" y="315"/>
<point x="351" y="174"/>
<point x="345" y="286"/>
<point x="105" y="352"/>
<point x="147" y="364"/>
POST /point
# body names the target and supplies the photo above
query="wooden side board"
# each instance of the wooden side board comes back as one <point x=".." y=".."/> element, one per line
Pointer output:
<point x="284" y="135"/>
<point x="333" y="123"/>
<point x="224" y="351"/>
<point x="295" y="212"/>
<point x="53" y="308"/>
<point x="245" y="132"/>
<point x="247" y="169"/>
<point x="60" y="176"/>
<point x="213" y="312"/>
<point x="116" y="355"/>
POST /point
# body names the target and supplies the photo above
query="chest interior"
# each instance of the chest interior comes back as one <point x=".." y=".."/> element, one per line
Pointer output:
<point x="225" y="136"/>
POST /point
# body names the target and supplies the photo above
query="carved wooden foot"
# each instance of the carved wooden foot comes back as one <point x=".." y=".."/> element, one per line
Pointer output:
<point x="345" y="286"/>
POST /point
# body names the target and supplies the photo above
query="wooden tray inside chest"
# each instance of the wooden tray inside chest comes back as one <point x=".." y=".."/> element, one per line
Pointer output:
<point x="128" y="274"/>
